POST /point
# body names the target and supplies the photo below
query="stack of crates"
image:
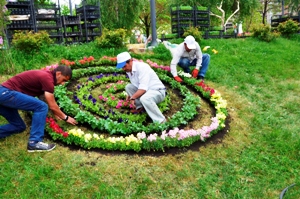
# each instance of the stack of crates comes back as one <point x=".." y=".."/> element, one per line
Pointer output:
<point x="72" y="29"/>
<point x="48" y="19"/>
<point x="90" y="17"/>
<point x="183" y="17"/>
<point x="21" y="17"/>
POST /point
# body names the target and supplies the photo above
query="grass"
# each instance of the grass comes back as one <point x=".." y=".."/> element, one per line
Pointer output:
<point x="257" y="158"/>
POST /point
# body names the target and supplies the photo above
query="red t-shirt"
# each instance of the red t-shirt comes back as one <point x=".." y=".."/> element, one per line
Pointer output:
<point x="32" y="82"/>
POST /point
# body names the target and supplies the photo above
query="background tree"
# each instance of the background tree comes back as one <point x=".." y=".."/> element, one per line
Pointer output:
<point x="162" y="15"/>
<point x="229" y="6"/>
<point x="292" y="5"/>
<point x="267" y="6"/>
<point x="119" y="13"/>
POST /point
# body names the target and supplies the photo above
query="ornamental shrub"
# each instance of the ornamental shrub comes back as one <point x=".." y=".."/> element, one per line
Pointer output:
<point x="263" y="32"/>
<point x="111" y="38"/>
<point x="288" y="28"/>
<point x="162" y="53"/>
<point x="30" y="41"/>
<point x="194" y="31"/>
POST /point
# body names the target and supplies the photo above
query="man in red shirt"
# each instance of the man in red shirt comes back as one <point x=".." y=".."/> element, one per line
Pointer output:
<point x="20" y="92"/>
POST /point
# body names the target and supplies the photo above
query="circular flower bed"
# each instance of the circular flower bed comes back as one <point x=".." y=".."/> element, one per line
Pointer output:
<point x="113" y="127"/>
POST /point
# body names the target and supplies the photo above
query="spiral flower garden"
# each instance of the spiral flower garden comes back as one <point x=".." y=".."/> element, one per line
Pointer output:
<point x="96" y="99"/>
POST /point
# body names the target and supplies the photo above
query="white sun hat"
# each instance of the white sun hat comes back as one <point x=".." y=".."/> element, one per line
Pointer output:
<point x="122" y="58"/>
<point x="190" y="42"/>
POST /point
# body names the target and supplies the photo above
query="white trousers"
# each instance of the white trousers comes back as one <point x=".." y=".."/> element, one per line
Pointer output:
<point x="149" y="101"/>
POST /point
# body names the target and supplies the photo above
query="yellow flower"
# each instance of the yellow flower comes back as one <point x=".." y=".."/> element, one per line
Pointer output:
<point x="76" y="132"/>
<point x="221" y="117"/>
<point x="205" y="48"/>
<point x="87" y="137"/>
<point x="96" y="136"/>
<point x="214" y="51"/>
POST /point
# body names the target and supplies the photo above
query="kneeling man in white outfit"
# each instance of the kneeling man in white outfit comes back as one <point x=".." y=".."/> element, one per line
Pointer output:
<point x="145" y="89"/>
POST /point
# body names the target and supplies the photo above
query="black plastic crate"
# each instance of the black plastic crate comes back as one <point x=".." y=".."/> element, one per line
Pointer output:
<point x="70" y="20"/>
<point x="86" y="8"/>
<point x="91" y="25"/>
<point x="19" y="11"/>
<point x="20" y="24"/>
<point x="53" y="7"/>
<point x="18" y="4"/>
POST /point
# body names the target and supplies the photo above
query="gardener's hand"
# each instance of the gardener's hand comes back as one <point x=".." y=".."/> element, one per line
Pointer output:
<point x="178" y="79"/>
<point x="195" y="73"/>
<point x="132" y="103"/>
<point x="71" y="120"/>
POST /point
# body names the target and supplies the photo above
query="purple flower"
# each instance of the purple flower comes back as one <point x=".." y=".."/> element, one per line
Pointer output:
<point x="1" y="41"/>
<point x="91" y="79"/>
<point x="120" y="120"/>
<point x="99" y="76"/>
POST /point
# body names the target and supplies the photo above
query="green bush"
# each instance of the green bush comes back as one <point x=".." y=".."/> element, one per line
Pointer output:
<point x="194" y="31"/>
<point x="263" y="32"/>
<point x="162" y="53"/>
<point x="111" y="39"/>
<point x="288" y="28"/>
<point x="30" y="41"/>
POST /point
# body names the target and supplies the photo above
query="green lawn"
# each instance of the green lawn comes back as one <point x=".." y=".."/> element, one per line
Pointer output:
<point x="257" y="158"/>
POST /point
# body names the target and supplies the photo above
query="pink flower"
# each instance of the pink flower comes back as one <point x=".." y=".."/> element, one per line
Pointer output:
<point x="152" y="137"/>
<point x="118" y="106"/>
<point x="141" y="135"/>
<point x="163" y="135"/>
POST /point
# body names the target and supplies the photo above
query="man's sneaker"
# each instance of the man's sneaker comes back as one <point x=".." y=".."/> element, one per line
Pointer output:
<point x="40" y="147"/>
<point x="201" y="78"/>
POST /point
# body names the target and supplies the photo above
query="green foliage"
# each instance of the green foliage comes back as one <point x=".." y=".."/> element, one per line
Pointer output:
<point x="119" y="13"/>
<point x="260" y="151"/>
<point x="30" y="41"/>
<point x="65" y="10"/>
<point x="194" y="31"/>
<point x="162" y="53"/>
<point x="288" y="28"/>
<point x="44" y="2"/>
<point x="263" y="32"/>
<point x="111" y="39"/>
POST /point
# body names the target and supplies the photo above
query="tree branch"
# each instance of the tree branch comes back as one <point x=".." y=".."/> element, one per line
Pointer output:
<point x="238" y="8"/>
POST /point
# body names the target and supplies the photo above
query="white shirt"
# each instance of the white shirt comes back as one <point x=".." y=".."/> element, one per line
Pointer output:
<point x="144" y="77"/>
<point x="180" y="52"/>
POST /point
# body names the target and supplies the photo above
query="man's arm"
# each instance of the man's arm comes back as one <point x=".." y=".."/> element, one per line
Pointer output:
<point x="136" y="95"/>
<point x="56" y="110"/>
<point x="199" y="57"/>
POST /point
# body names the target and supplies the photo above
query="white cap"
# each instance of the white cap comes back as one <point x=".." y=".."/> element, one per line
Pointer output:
<point x="190" y="42"/>
<point x="122" y="58"/>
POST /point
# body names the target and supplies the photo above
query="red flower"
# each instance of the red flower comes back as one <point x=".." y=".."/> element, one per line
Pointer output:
<point x="65" y="134"/>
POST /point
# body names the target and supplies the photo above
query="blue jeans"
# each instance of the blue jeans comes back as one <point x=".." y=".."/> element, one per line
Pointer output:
<point x="185" y="64"/>
<point x="12" y="101"/>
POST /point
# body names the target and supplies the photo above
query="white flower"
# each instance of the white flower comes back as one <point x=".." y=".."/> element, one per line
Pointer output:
<point x="183" y="74"/>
